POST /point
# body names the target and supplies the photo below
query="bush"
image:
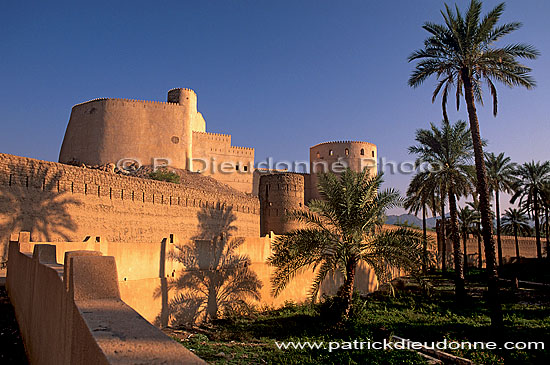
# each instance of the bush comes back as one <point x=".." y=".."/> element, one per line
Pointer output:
<point x="165" y="175"/>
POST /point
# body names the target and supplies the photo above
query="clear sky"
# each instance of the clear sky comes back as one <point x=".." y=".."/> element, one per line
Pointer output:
<point x="279" y="76"/>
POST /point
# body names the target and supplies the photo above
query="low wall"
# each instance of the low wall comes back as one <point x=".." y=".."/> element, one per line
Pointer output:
<point x="148" y="273"/>
<point x="73" y="314"/>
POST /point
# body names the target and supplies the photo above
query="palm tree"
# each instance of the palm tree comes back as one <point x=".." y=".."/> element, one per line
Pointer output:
<point x="448" y="151"/>
<point x="342" y="230"/>
<point x="516" y="222"/>
<point x="500" y="176"/>
<point x="546" y="205"/>
<point x="468" y="218"/>
<point x="532" y="179"/>
<point x="420" y="194"/>
<point x="474" y="205"/>
<point x="461" y="53"/>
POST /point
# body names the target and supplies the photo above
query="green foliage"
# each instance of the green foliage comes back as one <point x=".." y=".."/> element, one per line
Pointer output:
<point x="462" y="51"/>
<point x="410" y="314"/>
<point x="342" y="230"/>
<point x="165" y="175"/>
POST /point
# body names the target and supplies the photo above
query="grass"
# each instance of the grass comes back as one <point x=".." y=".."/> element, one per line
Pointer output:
<point x="411" y="313"/>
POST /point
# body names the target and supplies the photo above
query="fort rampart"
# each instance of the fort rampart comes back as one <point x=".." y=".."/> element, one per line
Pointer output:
<point x="73" y="314"/>
<point x="58" y="202"/>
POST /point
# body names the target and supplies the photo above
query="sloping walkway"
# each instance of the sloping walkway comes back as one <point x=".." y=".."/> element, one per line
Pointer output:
<point x="11" y="344"/>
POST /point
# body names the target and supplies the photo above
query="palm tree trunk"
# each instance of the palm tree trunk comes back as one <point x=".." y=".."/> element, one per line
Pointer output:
<point x="547" y="237"/>
<point x="425" y="240"/>
<point x="517" y="242"/>
<point x="495" y="308"/>
<point x="346" y="292"/>
<point x="479" y="255"/>
<point x="537" y="224"/>
<point x="443" y="240"/>
<point x="455" y="238"/>
<point x="464" y="239"/>
<point x="499" y="245"/>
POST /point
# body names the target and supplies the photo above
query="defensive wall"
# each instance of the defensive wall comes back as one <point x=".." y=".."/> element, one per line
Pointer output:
<point x="214" y="156"/>
<point x="145" y="271"/>
<point x="57" y="202"/>
<point x="73" y="313"/>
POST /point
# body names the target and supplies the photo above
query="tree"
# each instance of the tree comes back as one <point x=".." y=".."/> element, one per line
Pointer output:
<point x="420" y="194"/>
<point x="474" y="205"/>
<point x="532" y="179"/>
<point x="546" y="204"/>
<point x="342" y="230"/>
<point x="516" y="222"/>
<point x="500" y="176"/>
<point x="468" y="218"/>
<point x="461" y="54"/>
<point x="448" y="151"/>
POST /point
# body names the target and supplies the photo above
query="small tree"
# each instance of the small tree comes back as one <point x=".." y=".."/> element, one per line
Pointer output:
<point x="342" y="230"/>
<point x="165" y="175"/>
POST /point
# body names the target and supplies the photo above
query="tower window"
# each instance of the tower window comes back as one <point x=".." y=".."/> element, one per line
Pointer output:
<point x="347" y="152"/>
<point x="372" y="153"/>
<point x="318" y="155"/>
<point x="237" y="167"/>
<point x="362" y="152"/>
<point x="245" y="168"/>
<point x="331" y="152"/>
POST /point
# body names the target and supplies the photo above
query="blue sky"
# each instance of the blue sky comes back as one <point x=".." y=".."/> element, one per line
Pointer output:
<point x="280" y="76"/>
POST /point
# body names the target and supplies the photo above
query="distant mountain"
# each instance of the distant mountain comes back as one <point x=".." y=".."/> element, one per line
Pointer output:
<point x="410" y="219"/>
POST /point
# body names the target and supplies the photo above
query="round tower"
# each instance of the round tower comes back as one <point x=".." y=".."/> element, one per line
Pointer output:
<point x="186" y="98"/>
<point x="279" y="193"/>
<point x="337" y="156"/>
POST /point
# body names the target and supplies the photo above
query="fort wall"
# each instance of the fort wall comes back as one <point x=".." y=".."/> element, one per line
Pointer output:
<point x="215" y="156"/>
<point x="280" y="193"/>
<point x="72" y="313"/>
<point x="58" y="202"/>
<point x="145" y="271"/>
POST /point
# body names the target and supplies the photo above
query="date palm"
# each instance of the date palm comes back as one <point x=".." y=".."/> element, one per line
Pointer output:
<point x="449" y="153"/>
<point x="474" y="205"/>
<point x="546" y="206"/>
<point x="532" y="179"/>
<point x="462" y="54"/>
<point x="516" y="222"/>
<point x="500" y="176"/>
<point x="420" y="195"/>
<point x="468" y="219"/>
<point x="342" y="230"/>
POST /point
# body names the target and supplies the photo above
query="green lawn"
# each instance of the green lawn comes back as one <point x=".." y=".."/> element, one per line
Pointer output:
<point x="411" y="314"/>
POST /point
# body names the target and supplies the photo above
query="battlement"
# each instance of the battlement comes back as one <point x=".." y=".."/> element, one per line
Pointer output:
<point x="183" y="89"/>
<point x="210" y="135"/>
<point x="124" y="100"/>
<point x="343" y="142"/>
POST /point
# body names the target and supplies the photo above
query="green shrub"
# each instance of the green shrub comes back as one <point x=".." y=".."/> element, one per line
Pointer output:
<point x="165" y="175"/>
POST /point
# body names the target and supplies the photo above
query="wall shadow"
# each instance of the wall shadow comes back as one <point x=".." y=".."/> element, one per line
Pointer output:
<point x="33" y="202"/>
<point x="214" y="280"/>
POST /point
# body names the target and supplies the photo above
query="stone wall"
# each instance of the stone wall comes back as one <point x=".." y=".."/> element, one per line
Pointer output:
<point x="58" y="202"/>
<point x="73" y="314"/>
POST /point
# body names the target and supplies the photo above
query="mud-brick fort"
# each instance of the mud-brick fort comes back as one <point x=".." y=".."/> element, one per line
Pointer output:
<point x="91" y="246"/>
<point x="119" y="131"/>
